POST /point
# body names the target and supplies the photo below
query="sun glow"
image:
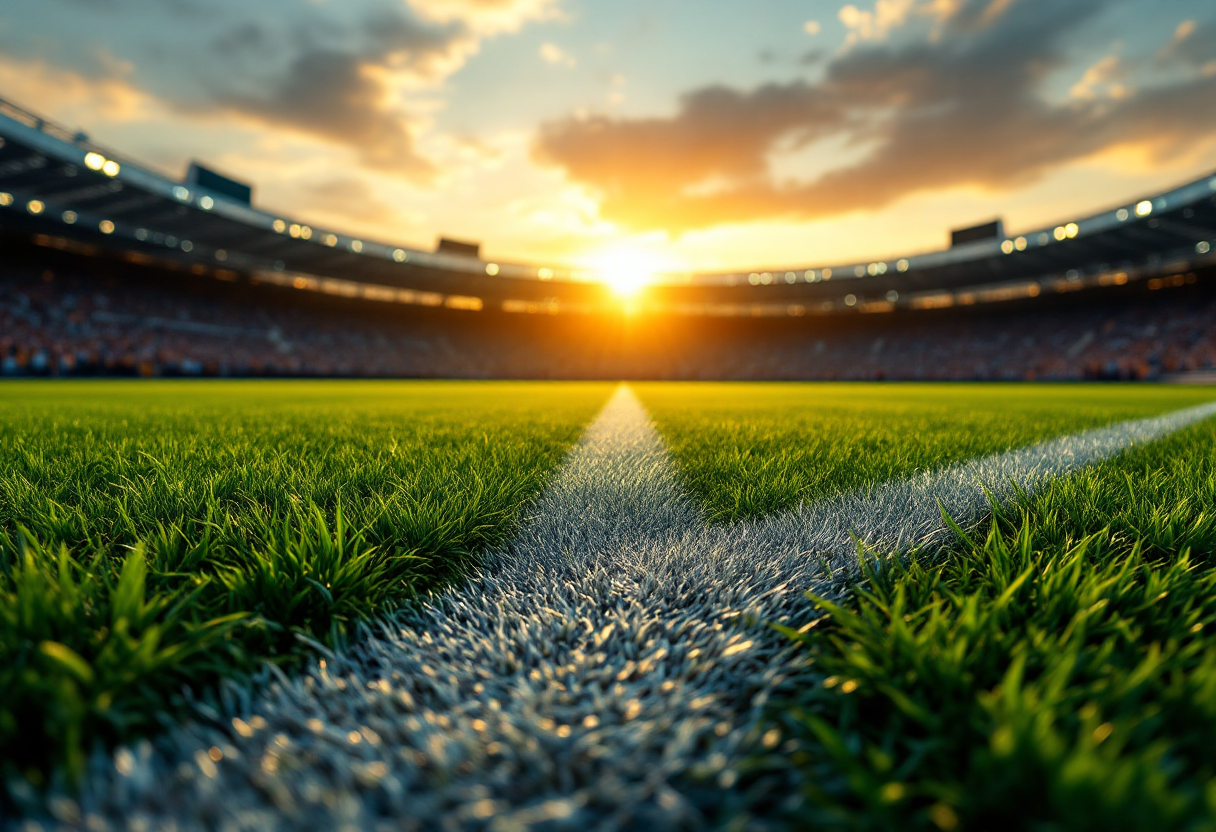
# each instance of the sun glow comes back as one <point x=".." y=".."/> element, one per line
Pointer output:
<point x="627" y="271"/>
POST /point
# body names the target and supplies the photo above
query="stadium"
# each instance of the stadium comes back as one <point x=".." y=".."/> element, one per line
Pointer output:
<point x="205" y="284"/>
<point x="308" y="527"/>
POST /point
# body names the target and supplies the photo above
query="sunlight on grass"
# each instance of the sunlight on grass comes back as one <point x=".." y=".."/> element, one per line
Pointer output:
<point x="167" y="533"/>
<point x="751" y="449"/>
<point x="1060" y="670"/>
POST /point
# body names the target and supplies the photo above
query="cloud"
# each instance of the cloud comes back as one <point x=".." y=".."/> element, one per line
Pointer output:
<point x="1105" y="78"/>
<point x="348" y="199"/>
<point x="551" y="53"/>
<point x="360" y="74"/>
<point x="488" y="16"/>
<point x="969" y="108"/>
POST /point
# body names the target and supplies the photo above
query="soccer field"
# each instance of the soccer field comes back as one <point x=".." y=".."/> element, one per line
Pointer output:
<point x="644" y="615"/>
<point x="155" y="534"/>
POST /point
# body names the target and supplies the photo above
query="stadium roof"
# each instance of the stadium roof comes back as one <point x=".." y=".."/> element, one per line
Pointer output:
<point x="54" y="181"/>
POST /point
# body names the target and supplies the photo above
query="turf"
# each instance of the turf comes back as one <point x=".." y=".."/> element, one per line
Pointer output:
<point x="1057" y="673"/>
<point x="161" y="534"/>
<point x="752" y="449"/>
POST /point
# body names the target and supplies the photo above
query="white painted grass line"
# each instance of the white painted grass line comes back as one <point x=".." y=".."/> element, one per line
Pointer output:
<point x="596" y="675"/>
<point x="902" y="515"/>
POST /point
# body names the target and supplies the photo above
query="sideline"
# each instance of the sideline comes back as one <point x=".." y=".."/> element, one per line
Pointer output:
<point x="593" y="665"/>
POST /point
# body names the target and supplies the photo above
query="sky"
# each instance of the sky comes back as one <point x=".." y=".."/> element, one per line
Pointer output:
<point x="692" y="135"/>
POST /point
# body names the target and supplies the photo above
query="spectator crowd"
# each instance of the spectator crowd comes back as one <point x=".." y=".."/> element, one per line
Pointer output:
<point x="57" y="322"/>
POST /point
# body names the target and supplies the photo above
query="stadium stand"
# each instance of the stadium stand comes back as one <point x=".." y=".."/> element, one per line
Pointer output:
<point x="112" y="268"/>
<point x="63" y="313"/>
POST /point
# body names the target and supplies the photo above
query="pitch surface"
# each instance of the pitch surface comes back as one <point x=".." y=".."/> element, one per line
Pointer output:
<point x="604" y="669"/>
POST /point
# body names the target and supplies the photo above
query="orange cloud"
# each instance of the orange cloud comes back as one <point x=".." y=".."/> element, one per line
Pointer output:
<point x="965" y="112"/>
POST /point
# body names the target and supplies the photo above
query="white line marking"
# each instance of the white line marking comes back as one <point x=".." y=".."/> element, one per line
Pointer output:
<point x="596" y="674"/>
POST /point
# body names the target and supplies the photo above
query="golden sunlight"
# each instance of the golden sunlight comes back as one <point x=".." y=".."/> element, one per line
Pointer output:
<point x="626" y="271"/>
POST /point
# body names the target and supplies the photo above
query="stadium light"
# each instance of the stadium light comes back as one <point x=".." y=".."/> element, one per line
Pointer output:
<point x="1144" y="208"/>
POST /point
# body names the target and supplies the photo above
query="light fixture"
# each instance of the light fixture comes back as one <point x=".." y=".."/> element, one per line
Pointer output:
<point x="399" y="255"/>
<point x="491" y="269"/>
<point x="106" y="227"/>
<point x="206" y="203"/>
<point x="34" y="206"/>
<point x="1144" y="208"/>
<point x="110" y="168"/>
<point x="94" y="161"/>
<point x="279" y="226"/>
<point x="69" y="217"/>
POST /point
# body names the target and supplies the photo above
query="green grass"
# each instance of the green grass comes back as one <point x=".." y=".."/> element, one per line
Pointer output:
<point x="156" y="534"/>
<point x="1057" y="673"/>
<point x="750" y="449"/>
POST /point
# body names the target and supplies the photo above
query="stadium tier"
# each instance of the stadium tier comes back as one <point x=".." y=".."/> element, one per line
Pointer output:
<point x="114" y="268"/>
